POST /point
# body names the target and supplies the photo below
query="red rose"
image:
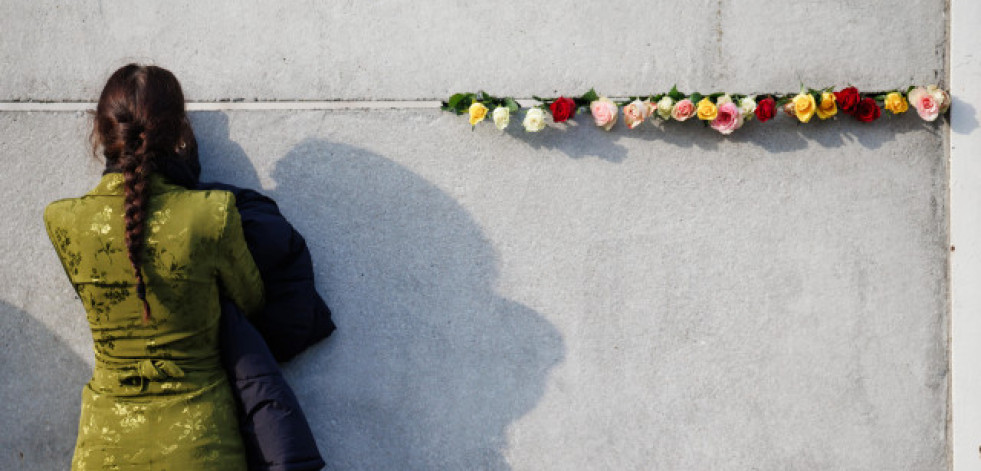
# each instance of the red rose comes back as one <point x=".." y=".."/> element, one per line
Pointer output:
<point x="847" y="100"/>
<point x="765" y="109"/>
<point x="562" y="109"/>
<point x="867" y="110"/>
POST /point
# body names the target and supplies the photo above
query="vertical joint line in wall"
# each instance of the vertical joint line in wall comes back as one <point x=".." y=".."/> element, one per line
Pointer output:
<point x="948" y="428"/>
<point x="720" y="65"/>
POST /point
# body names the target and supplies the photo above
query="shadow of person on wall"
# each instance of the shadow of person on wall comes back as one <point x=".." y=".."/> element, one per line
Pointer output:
<point x="429" y="365"/>
<point x="39" y="433"/>
<point x="222" y="159"/>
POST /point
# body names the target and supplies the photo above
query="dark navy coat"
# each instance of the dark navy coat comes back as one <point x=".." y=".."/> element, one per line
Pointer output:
<point x="276" y="434"/>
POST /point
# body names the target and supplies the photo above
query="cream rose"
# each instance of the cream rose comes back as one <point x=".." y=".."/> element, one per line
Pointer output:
<point x="502" y="117"/>
<point x="942" y="98"/>
<point x="534" y="120"/>
<point x="664" y="107"/>
<point x="747" y="106"/>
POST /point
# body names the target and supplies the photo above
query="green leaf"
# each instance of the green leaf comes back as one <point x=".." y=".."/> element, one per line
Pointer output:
<point x="463" y="102"/>
<point x="511" y="105"/>
<point x="455" y="100"/>
<point x="675" y="94"/>
<point x="589" y="96"/>
<point x="696" y="97"/>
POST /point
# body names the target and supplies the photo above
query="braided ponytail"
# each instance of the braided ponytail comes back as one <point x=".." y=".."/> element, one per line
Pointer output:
<point x="135" y="165"/>
<point x="140" y="120"/>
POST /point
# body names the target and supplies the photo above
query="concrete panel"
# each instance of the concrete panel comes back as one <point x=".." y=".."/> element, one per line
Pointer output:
<point x="663" y="298"/>
<point x="272" y="50"/>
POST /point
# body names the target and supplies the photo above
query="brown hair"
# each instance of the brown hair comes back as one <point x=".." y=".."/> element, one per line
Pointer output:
<point x="139" y="121"/>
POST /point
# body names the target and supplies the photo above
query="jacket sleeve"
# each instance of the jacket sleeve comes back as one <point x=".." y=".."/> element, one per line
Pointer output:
<point x="237" y="271"/>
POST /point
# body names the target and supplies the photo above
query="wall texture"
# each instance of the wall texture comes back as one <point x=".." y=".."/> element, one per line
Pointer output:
<point x="663" y="298"/>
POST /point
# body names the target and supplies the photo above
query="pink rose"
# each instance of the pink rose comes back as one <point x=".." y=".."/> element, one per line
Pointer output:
<point x="683" y="110"/>
<point x="635" y="113"/>
<point x="728" y="119"/>
<point x="925" y="103"/>
<point x="604" y="113"/>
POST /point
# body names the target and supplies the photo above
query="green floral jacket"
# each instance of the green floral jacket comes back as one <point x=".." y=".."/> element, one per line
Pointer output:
<point x="158" y="393"/>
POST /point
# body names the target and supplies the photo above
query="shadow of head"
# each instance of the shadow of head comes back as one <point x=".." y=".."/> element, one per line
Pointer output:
<point x="430" y="364"/>
<point x="40" y="395"/>
<point x="219" y="154"/>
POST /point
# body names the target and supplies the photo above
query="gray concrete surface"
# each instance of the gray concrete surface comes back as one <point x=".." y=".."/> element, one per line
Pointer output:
<point x="64" y="50"/>
<point x="568" y="300"/>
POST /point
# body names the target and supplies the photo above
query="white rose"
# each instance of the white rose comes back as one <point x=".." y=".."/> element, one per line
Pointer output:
<point x="723" y="100"/>
<point x="534" y="120"/>
<point x="940" y="96"/>
<point x="502" y="116"/>
<point x="747" y="106"/>
<point x="664" y="106"/>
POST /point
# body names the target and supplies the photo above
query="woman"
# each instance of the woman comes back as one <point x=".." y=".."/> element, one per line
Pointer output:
<point x="148" y="259"/>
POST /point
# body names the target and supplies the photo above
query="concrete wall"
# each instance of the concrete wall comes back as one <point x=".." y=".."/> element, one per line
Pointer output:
<point x="664" y="298"/>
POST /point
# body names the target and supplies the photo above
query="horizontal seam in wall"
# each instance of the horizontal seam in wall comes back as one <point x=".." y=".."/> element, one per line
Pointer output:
<point x="252" y="105"/>
<point x="239" y="105"/>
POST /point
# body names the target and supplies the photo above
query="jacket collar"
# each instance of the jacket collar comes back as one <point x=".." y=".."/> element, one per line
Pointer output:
<point x="112" y="185"/>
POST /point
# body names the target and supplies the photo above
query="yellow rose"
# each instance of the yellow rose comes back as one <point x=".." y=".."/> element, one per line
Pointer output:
<point x="477" y="113"/>
<point x="896" y="103"/>
<point x="804" y="107"/>
<point x="828" y="106"/>
<point x="706" y="110"/>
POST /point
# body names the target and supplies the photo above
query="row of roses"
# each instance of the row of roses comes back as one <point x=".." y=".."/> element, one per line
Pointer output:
<point x="721" y="111"/>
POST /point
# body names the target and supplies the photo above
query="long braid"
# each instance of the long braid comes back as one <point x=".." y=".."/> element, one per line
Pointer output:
<point x="135" y="166"/>
<point x="140" y="124"/>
